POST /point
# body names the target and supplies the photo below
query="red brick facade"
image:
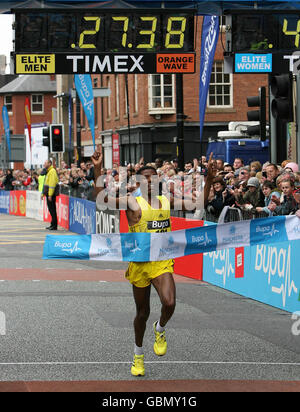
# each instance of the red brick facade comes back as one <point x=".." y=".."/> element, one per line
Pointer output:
<point x="243" y="86"/>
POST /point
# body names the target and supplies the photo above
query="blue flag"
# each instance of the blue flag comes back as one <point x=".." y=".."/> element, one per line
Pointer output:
<point x="84" y="87"/>
<point x="5" y="119"/>
<point x="210" y="34"/>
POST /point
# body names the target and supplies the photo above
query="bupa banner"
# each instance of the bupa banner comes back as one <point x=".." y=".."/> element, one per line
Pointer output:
<point x="151" y="247"/>
<point x="84" y="87"/>
<point x="210" y="34"/>
<point x="269" y="273"/>
<point x="5" y="119"/>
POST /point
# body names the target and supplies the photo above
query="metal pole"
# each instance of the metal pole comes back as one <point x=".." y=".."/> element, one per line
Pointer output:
<point x="273" y="130"/>
<point x="128" y="117"/>
<point x="297" y="119"/>
<point x="180" y="120"/>
<point x="78" y="129"/>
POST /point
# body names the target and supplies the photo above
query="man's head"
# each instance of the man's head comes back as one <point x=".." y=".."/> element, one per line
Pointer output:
<point x="188" y="166"/>
<point x="158" y="163"/>
<point x="47" y="164"/>
<point x="150" y="174"/>
<point x="272" y="172"/>
<point x="238" y="163"/>
<point x="220" y="164"/>
<point x="244" y="174"/>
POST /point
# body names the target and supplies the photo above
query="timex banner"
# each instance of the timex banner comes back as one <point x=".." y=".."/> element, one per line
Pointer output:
<point x="147" y="63"/>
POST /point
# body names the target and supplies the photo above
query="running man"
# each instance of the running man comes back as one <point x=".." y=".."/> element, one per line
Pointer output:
<point x="143" y="217"/>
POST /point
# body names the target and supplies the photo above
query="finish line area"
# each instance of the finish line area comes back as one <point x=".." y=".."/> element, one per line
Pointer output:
<point x="69" y="327"/>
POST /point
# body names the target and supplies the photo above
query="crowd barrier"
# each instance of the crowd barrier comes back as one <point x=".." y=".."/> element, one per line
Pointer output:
<point x="266" y="272"/>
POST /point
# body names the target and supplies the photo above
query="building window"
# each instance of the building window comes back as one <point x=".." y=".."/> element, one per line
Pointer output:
<point x="37" y="103"/>
<point x="8" y="103"/>
<point x="220" y="87"/>
<point x="162" y="94"/>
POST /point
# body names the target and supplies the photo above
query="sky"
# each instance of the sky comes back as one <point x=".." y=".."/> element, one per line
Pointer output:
<point x="6" y="36"/>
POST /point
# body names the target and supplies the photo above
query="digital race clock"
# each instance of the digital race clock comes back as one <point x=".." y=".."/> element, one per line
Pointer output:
<point x="104" y="41"/>
<point x="268" y="31"/>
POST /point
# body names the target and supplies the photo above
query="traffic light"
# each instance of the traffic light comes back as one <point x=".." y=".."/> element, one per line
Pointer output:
<point x="57" y="141"/>
<point x="282" y="91"/>
<point x="257" y="115"/>
<point x="46" y="134"/>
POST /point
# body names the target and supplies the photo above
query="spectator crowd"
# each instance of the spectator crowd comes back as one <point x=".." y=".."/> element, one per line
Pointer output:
<point x="254" y="190"/>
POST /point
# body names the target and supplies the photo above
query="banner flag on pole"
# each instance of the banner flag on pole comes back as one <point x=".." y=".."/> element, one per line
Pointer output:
<point x="27" y="112"/>
<point x="70" y="119"/>
<point x="84" y="87"/>
<point x="210" y="34"/>
<point x="5" y="119"/>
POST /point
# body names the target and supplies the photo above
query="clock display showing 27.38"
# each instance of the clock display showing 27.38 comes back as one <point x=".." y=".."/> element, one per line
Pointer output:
<point x="102" y="31"/>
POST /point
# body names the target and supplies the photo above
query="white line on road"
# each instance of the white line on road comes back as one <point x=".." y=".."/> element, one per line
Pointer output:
<point x="151" y="362"/>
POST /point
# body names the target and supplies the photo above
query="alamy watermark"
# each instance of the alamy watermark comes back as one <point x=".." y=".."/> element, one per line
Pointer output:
<point x="187" y="191"/>
<point x="296" y="325"/>
<point x="2" y="324"/>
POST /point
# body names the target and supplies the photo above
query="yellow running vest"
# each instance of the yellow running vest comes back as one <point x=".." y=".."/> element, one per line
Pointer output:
<point x="153" y="220"/>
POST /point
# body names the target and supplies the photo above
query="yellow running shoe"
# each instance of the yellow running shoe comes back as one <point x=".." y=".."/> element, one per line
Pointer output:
<point x="137" y="368"/>
<point x="160" y="344"/>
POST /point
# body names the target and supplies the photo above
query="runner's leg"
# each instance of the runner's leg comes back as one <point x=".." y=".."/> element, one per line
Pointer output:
<point x="165" y="287"/>
<point x="142" y="302"/>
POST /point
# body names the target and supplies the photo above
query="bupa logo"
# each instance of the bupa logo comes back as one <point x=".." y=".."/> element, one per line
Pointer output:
<point x="67" y="247"/>
<point x="201" y="241"/>
<point x="267" y="230"/>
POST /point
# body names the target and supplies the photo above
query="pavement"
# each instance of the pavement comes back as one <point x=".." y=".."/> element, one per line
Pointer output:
<point x="68" y="326"/>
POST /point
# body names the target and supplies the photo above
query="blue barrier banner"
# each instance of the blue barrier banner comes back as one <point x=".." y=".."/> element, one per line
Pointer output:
<point x="145" y="247"/>
<point x="269" y="273"/>
<point x="82" y="216"/>
<point x="4" y="202"/>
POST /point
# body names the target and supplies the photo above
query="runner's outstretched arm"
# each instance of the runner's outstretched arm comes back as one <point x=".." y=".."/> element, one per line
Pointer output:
<point x="123" y="202"/>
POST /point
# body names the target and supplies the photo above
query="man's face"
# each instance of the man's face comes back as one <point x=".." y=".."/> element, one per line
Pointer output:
<point x="244" y="175"/>
<point x="152" y="180"/>
<point x="219" y="164"/>
<point x="237" y="164"/>
<point x="188" y="167"/>
<point x="286" y="188"/>
<point x="271" y="172"/>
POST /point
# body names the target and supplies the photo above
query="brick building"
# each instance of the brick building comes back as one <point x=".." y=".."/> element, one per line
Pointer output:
<point x="152" y="109"/>
<point x="151" y="129"/>
<point x="40" y="90"/>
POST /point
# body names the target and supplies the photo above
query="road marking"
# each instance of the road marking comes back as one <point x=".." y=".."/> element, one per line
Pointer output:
<point x="150" y="362"/>
<point x="21" y="242"/>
